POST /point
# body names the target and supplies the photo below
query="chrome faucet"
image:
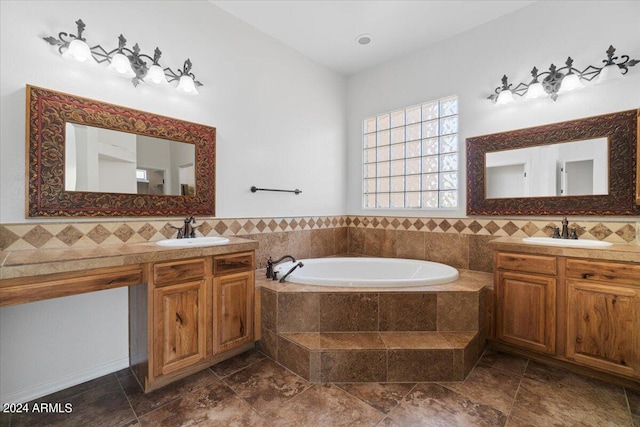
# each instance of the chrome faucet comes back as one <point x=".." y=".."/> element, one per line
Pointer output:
<point x="271" y="263"/>
<point x="187" y="230"/>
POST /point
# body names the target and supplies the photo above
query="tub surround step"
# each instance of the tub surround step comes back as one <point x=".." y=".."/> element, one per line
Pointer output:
<point x="380" y="356"/>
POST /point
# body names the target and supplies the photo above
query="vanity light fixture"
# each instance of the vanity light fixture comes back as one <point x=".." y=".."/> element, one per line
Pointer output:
<point x="560" y="80"/>
<point x="125" y="62"/>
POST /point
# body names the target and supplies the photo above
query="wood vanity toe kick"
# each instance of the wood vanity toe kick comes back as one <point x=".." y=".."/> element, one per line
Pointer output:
<point x="36" y="288"/>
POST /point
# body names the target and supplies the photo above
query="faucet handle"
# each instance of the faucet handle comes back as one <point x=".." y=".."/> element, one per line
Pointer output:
<point x="556" y="233"/>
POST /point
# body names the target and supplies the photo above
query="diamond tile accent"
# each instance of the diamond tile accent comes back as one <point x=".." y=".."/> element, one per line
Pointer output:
<point x="385" y="223"/>
<point x="261" y="226"/>
<point x="459" y="226"/>
<point x="366" y="221"/>
<point x="627" y="232"/>
<point x="293" y="224"/>
<point x="444" y="225"/>
<point x="303" y="223"/>
<point x="220" y="228"/>
<point x="69" y="235"/>
<point x="395" y="223"/>
<point x="168" y="231"/>
<point x="356" y="221"/>
<point x="492" y="227"/>
<point x="406" y="224"/>
<point x="418" y="224"/>
<point x="124" y="232"/>
<point x="283" y="224"/>
<point x="205" y="228"/>
<point x="510" y="228"/>
<point x="327" y="222"/>
<point x="272" y="225"/>
<point x="431" y="225"/>
<point x="475" y="227"/>
<point x="7" y="238"/>
<point x="38" y="236"/>
<point x="530" y="229"/>
<point x="248" y="227"/>
<point x="235" y="227"/>
<point x="375" y="222"/>
<point x="147" y="231"/>
<point x="600" y="231"/>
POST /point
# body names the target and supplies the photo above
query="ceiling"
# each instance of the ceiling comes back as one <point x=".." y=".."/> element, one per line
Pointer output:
<point x="326" y="30"/>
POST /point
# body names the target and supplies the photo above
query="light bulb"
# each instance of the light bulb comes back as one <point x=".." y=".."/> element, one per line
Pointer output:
<point x="156" y="75"/>
<point x="120" y="65"/>
<point x="535" y="90"/>
<point x="570" y="82"/>
<point x="504" y="97"/>
<point x="186" y="85"/>
<point x="79" y="51"/>
<point x="608" y="73"/>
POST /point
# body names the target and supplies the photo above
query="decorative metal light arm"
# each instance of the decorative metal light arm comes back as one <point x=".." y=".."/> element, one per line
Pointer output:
<point x="552" y="79"/>
<point x="139" y="62"/>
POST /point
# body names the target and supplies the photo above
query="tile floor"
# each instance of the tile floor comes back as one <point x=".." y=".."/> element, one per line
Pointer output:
<point x="253" y="390"/>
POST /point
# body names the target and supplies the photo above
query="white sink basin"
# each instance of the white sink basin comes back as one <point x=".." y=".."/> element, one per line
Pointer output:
<point x="566" y="242"/>
<point x="194" y="241"/>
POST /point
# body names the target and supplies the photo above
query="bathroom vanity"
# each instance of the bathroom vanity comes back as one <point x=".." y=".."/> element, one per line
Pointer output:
<point x="189" y="308"/>
<point x="575" y="305"/>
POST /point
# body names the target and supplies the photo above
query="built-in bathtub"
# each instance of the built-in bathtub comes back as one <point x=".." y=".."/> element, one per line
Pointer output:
<point x="359" y="272"/>
<point x="374" y="319"/>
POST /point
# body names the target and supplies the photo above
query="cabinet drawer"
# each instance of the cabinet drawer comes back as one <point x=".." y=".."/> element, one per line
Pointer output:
<point x="169" y="272"/>
<point x="526" y="263"/>
<point x="609" y="272"/>
<point x="234" y="263"/>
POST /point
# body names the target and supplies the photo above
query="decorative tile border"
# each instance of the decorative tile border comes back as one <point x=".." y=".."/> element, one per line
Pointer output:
<point x="91" y="234"/>
<point x="614" y="232"/>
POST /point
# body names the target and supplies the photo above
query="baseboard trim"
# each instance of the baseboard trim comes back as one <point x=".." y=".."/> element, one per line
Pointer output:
<point x="53" y="386"/>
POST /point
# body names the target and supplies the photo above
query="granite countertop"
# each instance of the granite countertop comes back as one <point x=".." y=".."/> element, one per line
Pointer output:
<point x="36" y="262"/>
<point x="617" y="252"/>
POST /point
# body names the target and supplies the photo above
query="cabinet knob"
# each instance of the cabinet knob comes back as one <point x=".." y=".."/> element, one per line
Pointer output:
<point x="586" y="275"/>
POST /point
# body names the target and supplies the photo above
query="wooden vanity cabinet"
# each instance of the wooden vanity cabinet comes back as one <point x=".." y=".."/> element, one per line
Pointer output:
<point x="233" y="300"/>
<point x="179" y="309"/>
<point x="582" y="311"/>
<point x="526" y="301"/>
<point x="191" y="314"/>
<point x="603" y="316"/>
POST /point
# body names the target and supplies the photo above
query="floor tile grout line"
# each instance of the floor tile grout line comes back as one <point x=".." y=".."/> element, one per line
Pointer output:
<point x="179" y="397"/>
<point x="362" y="400"/>
<point x="239" y="369"/>
<point x="515" y="397"/>
<point x="126" y="396"/>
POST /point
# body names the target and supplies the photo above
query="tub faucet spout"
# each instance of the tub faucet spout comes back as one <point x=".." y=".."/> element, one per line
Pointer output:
<point x="271" y="263"/>
<point x="300" y="264"/>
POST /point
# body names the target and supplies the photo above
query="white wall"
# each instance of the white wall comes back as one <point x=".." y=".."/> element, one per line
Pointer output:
<point x="472" y="64"/>
<point x="276" y="113"/>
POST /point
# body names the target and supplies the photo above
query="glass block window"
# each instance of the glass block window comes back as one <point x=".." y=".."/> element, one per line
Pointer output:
<point x="410" y="157"/>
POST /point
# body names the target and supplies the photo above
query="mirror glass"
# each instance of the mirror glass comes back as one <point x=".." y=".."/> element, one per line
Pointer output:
<point x="109" y="161"/>
<point x="576" y="168"/>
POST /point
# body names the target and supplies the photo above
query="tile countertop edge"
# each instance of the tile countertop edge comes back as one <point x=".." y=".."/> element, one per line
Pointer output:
<point x="37" y="262"/>
<point x="616" y="252"/>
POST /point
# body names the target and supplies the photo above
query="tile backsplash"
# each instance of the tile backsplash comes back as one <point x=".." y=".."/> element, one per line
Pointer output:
<point x="91" y="234"/>
<point x="413" y="237"/>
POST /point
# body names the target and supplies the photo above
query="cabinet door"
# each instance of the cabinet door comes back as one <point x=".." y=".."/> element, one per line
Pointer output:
<point x="526" y="311"/>
<point x="603" y="326"/>
<point x="179" y="326"/>
<point x="234" y="310"/>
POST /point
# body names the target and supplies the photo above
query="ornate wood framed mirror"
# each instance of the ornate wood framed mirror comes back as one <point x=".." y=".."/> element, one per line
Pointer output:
<point x="90" y="158"/>
<point x="499" y="187"/>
